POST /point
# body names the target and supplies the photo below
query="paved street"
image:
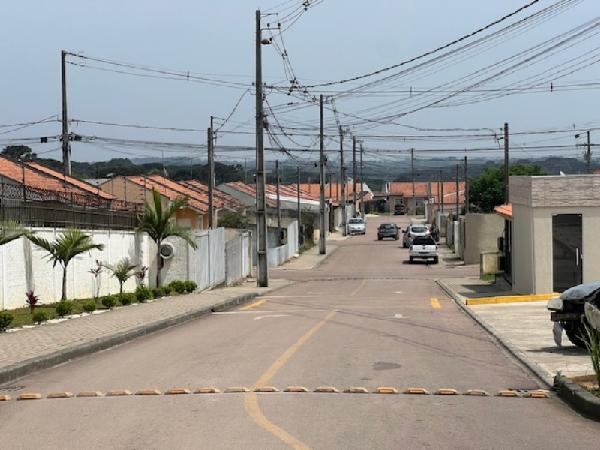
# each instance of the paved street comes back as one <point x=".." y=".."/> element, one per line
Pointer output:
<point x="364" y="317"/>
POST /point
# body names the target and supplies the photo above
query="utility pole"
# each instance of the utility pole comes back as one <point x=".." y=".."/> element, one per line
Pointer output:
<point x="354" y="169"/>
<point x="322" y="232"/>
<point x="343" y="182"/>
<point x="467" y="200"/>
<point x="211" y="178"/>
<point x="442" y="190"/>
<point x="278" y="201"/>
<point x="412" y="170"/>
<point x="457" y="189"/>
<point x="362" y="186"/>
<point x="66" y="144"/>
<point x="588" y="155"/>
<point x="506" y="164"/>
<point x="299" y="209"/>
<point x="262" y="279"/>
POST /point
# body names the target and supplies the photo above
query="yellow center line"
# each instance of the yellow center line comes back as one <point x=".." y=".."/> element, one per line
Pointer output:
<point x="360" y="286"/>
<point x="252" y="305"/>
<point x="251" y="401"/>
<point x="435" y="304"/>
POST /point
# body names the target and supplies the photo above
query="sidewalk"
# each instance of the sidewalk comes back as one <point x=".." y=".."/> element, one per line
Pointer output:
<point x="25" y="351"/>
<point x="524" y="329"/>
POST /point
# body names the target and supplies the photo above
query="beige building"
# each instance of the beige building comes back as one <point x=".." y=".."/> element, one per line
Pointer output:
<point x="554" y="231"/>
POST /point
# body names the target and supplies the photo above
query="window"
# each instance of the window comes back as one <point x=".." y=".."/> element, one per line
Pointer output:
<point x="419" y="229"/>
<point x="423" y="241"/>
<point x="355" y="221"/>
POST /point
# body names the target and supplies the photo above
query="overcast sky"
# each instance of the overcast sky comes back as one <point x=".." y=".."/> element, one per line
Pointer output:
<point x="335" y="39"/>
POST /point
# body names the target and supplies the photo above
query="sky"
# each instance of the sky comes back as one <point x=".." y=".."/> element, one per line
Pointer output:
<point x="333" y="40"/>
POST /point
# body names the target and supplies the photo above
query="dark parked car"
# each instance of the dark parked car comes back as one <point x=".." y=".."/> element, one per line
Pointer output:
<point x="388" y="230"/>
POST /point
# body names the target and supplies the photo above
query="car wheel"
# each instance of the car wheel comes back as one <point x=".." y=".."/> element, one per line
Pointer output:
<point x="379" y="238"/>
<point x="575" y="332"/>
<point x="435" y="260"/>
<point x="410" y="260"/>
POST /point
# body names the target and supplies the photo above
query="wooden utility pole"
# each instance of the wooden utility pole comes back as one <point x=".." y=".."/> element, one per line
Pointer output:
<point x="354" y="170"/>
<point x="262" y="279"/>
<point x="467" y="200"/>
<point x="211" y="178"/>
<point x="322" y="222"/>
<point x="278" y="202"/>
<point x="343" y="183"/>
<point x="506" y="164"/>
<point x="66" y="144"/>
<point x="299" y="212"/>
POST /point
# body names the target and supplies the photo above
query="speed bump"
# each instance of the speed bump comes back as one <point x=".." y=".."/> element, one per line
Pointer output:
<point x="386" y="390"/>
<point x="477" y="392"/>
<point x="29" y="396"/>
<point x="538" y="393"/>
<point x="118" y="393"/>
<point x="266" y="389"/>
<point x="295" y="389"/>
<point x="90" y="394"/>
<point x="64" y="394"/>
<point x="507" y="393"/>
<point x="207" y="390"/>
<point x="177" y="391"/>
<point x="327" y="389"/>
<point x="4" y="397"/>
<point x="356" y="390"/>
<point x="446" y="391"/>
<point x="148" y="392"/>
<point x="416" y="391"/>
<point x="236" y="389"/>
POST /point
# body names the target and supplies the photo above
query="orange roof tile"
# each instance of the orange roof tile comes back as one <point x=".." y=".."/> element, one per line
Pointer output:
<point x="167" y="190"/>
<point x="504" y="210"/>
<point x="220" y="198"/>
<point x="422" y="187"/>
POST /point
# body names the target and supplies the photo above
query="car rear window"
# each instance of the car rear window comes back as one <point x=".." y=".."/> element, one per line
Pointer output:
<point x="419" y="229"/>
<point x="423" y="241"/>
<point x="356" y="221"/>
<point x="387" y="226"/>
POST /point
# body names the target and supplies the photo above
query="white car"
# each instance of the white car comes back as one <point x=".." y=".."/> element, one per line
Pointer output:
<point x="423" y="247"/>
<point x="356" y="225"/>
<point x="414" y="230"/>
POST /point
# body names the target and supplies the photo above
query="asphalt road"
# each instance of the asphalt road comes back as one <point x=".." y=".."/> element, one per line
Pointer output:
<point x="363" y="318"/>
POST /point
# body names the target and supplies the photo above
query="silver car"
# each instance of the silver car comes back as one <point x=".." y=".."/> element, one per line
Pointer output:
<point x="414" y="230"/>
<point x="356" y="225"/>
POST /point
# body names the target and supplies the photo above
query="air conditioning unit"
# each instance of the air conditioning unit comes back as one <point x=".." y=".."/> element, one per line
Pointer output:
<point x="167" y="251"/>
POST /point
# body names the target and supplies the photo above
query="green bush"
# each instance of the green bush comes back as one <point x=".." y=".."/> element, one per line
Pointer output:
<point x="167" y="289"/>
<point x="39" y="317"/>
<point x="127" y="298"/>
<point x="64" y="308"/>
<point x="178" y="286"/>
<point x="158" y="292"/>
<point x="143" y="293"/>
<point x="5" y="320"/>
<point x="89" y="307"/>
<point x="109" y="301"/>
<point x="190" y="286"/>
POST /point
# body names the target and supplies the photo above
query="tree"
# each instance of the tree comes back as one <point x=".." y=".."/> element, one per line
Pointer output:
<point x="9" y="231"/>
<point x="21" y="152"/>
<point x="233" y="219"/>
<point x="69" y="244"/>
<point x="487" y="190"/>
<point x="159" y="225"/>
<point x="122" y="271"/>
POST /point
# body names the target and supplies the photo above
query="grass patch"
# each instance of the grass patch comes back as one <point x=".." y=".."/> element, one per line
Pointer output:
<point x="22" y="316"/>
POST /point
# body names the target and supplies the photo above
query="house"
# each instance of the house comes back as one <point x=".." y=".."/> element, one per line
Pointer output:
<point x="414" y="195"/>
<point x="139" y="189"/>
<point x="551" y="233"/>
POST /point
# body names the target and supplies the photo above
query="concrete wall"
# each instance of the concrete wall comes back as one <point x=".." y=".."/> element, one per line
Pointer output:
<point x="480" y="234"/>
<point x="276" y="256"/>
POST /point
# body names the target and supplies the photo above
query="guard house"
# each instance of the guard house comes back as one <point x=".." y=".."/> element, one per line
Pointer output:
<point x="554" y="231"/>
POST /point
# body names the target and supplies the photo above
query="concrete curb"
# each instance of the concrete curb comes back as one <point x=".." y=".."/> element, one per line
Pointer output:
<point x="577" y="397"/>
<point x="23" y="368"/>
<point x="541" y="374"/>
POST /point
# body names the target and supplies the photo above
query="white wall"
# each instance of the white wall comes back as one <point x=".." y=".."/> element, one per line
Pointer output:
<point x="276" y="256"/>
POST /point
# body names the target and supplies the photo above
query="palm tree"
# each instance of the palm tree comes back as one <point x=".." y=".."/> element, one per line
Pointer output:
<point x="9" y="231"/>
<point x="159" y="225"/>
<point x="69" y="244"/>
<point x="122" y="271"/>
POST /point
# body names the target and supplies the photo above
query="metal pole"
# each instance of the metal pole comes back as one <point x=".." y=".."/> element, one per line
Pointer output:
<point x="211" y="168"/>
<point x="66" y="145"/>
<point x="354" y="169"/>
<point x="457" y="189"/>
<point x="467" y="200"/>
<point x="362" y="186"/>
<point x="262" y="279"/>
<point x="278" y="201"/>
<point x="441" y="191"/>
<point x="322" y="232"/>
<point x="343" y="183"/>
<point x="506" y="164"/>
<point x="588" y="156"/>
<point x="299" y="209"/>
<point x="412" y="170"/>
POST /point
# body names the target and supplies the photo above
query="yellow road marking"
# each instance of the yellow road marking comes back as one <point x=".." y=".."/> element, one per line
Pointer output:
<point x="510" y="299"/>
<point x="251" y="400"/>
<point x="360" y="286"/>
<point x="254" y="304"/>
<point x="435" y="304"/>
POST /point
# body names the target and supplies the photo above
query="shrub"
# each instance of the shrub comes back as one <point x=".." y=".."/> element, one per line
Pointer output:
<point x="167" y="289"/>
<point x="143" y="293"/>
<point x="64" y="308"/>
<point x="178" y="286"/>
<point x="5" y="320"/>
<point x="592" y="342"/>
<point x="40" y="317"/>
<point x="89" y="307"/>
<point x="32" y="300"/>
<point x="127" y="298"/>
<point x="109" y="301"/>
<point x="158" y="292"/>
<point x="190" y="286"/>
